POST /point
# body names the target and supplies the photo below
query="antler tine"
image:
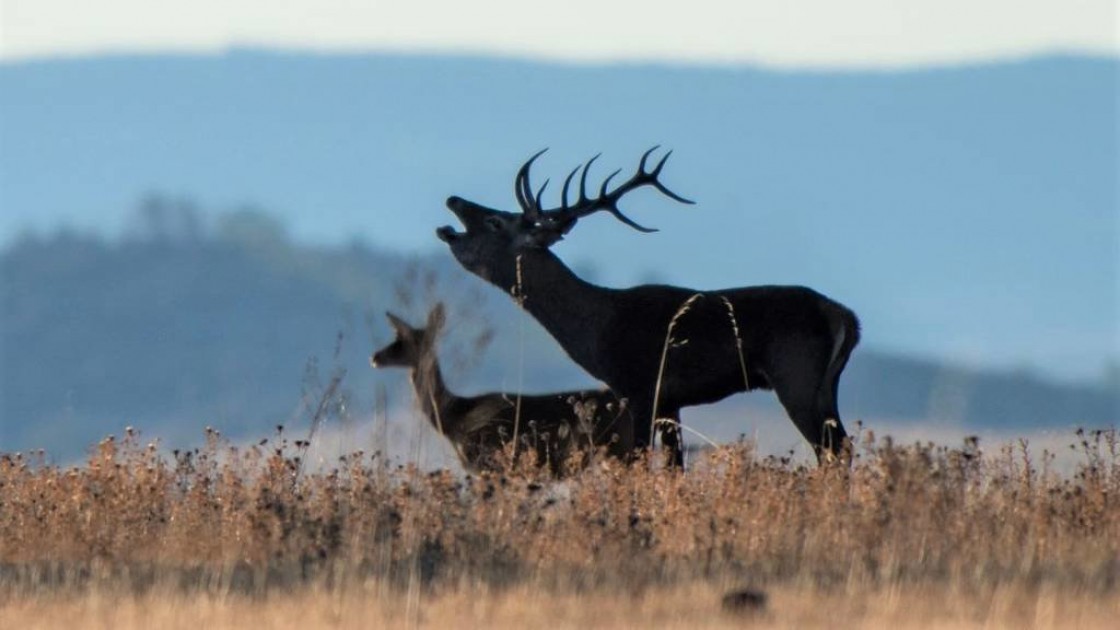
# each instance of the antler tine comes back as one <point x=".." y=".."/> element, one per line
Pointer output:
<point x="565" y="216"/>
<point x="606" y="182"/>
<point x="523" y="189"/>
<point x="564" y="190"/>
<point x="657" y="182"/>
<point x="541" y="193"/>
<point x="645" y="156"/>
<point x="583" y="180"/>
<point x="643" y="177"/>
<point x="519" y="189"/>
<point x="609" y="201"/>
<point x="628" y="221"/>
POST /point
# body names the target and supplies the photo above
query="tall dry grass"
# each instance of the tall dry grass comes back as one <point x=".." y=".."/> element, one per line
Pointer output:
<point x="226" y="521"/>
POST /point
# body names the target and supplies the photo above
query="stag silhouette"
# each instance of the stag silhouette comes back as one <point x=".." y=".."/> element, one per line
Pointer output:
<point x="563" y="428"/>
<point x="661" y="347"/>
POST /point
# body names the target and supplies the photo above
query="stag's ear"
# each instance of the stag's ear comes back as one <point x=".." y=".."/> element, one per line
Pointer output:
<point x="436" y="318"/>
<point x="399" y="325"/>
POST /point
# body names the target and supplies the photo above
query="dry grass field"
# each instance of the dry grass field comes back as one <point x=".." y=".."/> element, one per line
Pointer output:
<point x="228" y="536"/>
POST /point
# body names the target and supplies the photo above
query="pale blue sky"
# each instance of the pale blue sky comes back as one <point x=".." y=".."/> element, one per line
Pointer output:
<point x="787" y="33"/>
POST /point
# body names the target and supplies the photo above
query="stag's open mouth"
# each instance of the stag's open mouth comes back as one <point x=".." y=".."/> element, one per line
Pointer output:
<point x="448" y="234"/>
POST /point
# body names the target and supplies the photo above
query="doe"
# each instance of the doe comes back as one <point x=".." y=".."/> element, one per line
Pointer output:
<point x="563" y="429"/>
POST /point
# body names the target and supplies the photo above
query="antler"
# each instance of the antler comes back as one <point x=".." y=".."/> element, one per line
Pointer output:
<point x="564" y="217"/>
<point x="530" y="205"/>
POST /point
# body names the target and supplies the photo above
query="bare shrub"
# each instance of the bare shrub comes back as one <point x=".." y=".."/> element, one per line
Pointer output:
<point x="222" y="518"/>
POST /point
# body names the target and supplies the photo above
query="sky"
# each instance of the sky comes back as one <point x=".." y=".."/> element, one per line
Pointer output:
<point x="784" y="34"/>
<point x="779" y="33"/>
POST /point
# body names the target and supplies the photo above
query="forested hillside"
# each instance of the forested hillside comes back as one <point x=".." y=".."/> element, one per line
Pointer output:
<point x="178" y="326"/>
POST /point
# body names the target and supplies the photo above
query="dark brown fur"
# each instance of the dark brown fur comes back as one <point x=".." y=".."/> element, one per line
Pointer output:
<point x="787" y="338"/>
<point x="562" y="428"/>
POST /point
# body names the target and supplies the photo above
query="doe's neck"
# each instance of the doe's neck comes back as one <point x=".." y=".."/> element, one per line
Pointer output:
<point x="436" y="401"/>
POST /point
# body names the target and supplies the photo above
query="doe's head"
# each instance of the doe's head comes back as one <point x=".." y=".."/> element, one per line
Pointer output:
<point x="411" y="345"/>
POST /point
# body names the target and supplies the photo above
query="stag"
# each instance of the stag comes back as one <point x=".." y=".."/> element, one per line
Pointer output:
<point x="563" y="428"/>
<point x="661" y="347"/>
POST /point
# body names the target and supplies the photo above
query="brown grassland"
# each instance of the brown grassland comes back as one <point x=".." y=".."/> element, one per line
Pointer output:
<point x="235" y="536"/>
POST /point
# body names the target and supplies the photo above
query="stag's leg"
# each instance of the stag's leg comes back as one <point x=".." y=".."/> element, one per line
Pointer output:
<point x="801" y="385"/>
<point x="641" y="416"/>
<point x="835" y="437"/>
<point x="822" y="433"/>
<point x="641" y="424"/>
<point x="669" y="428"/>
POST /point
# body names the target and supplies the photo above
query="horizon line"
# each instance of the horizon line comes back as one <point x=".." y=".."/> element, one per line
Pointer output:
<point x="533" y="57"/>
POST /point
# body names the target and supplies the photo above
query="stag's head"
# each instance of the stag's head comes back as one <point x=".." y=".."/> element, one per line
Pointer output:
<point x="492" y="239"/>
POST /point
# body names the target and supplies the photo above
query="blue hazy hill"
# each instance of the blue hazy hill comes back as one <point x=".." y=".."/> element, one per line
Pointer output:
<point x="236" y="327"/>
<point x="966" y="213"/>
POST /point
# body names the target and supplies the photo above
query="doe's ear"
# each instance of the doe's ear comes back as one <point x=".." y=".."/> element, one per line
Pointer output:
<point x="399" y="325"/>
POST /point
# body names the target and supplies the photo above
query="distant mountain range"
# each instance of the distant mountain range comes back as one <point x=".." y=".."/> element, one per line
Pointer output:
<point x="968" y="214"/>
<point x="182" y="326"/>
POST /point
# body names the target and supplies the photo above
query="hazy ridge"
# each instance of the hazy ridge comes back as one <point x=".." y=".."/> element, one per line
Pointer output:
<point x="231" y="326"/>
<point x="965" y="212"/>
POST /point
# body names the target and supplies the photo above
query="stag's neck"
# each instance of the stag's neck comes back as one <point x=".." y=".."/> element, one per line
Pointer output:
<point x="574" y="312"/>
<point x="436" y="401"/>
